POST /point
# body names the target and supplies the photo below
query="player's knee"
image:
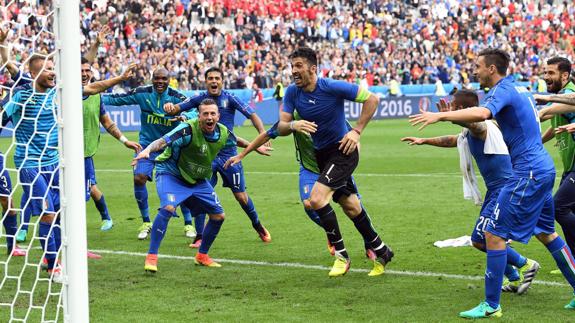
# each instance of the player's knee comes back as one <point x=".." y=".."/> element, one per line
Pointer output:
<point x="4" y="203"/>
<point x="351" y="209"/>
<point x="170" y="208"/>
<point x="95" y="192"/>
<point x="242" y="198"/>
<point x="307" y="204"/>
<point x="546" y="238"/>
<point x="140" y="179"/>
<point x="47" y="218"/>
<point x="478" y="245"/>
<point x="217" y="217"/>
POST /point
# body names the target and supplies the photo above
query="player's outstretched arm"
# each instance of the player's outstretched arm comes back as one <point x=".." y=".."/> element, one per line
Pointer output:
<point x="101" y="86"/>
<point x="156" y="145"/>
<point x="566" y="98"/>
<point x="113" y="130"/>
<point x="548" y="135"/>
<point x="256" y="144"/>
<point x="93" y="51"/>
<point x="570" y="128"/>
<point x="4" y="53"/>
<point x="443" y="141"/>
<point x="474" y="114"/>
<point x="554" y="109"/>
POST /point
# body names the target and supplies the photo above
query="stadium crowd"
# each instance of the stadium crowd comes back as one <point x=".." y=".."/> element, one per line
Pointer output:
<point x="373" y="41"/>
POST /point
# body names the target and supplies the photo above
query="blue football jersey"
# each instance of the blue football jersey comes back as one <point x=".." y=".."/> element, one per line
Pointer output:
<point x="513" y="106"/>
<point x="324" y="106"/>
<point x="228" y="104"/>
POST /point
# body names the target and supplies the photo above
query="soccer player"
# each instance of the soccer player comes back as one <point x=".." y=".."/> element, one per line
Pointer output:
<point x="308" y="175"/>
<point x="155" y="124"/>
<point x="320" y="103"/>
<point x="525" y="203"/>
<point x="182" y="176"/>
<point x="94" y="114"/>
<point x="495" y="170"/>
<point x="33" y="111"/>
<point x="557" y="76"/>
<point x="233" y="177"/>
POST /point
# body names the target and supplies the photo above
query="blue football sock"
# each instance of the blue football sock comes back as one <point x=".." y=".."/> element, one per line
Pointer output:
<point x="515" y="258"/>
<point x="26" y="216"/>
<point x="187" y="215"/>
<point x="200" y="223"/>
<point x="159" y="230"/>
<point x="57" y="231"/>
<point x="48" y="244"/>
<point x="313" y="216"/>
<point x="10" y="226"/>
<point x="510" y="272"/>
<point x="250" y="210"/>
<point x="102" y="208"/>
<point x="209" y="234"/>
<point x="496" y="261"/>
<point x="564" y="259"/>
<point x="141" y="194"/>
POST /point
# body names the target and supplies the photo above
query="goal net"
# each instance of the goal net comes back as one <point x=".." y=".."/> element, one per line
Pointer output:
<point x="43" y="267"/>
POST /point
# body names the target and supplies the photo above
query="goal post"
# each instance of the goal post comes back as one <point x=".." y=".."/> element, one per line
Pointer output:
<point x="72" y="198"/>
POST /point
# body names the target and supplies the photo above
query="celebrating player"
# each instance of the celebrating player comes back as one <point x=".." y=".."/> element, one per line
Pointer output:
<point x="181" y="177"/>
<point x="233" y="177"/>
<point x="495" y="168"/>
<point x="32" y="109"/>
<point x="94" y="114"/>
<point x="557" y="76"/>
<point x="525" y="203"/>
<point x="320" y="103"/>
<point x="155" y="124"/>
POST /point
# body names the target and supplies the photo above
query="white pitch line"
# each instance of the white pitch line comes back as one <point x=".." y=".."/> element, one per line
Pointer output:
<point x="317" y="267"/>
<point x="296" y="173"/>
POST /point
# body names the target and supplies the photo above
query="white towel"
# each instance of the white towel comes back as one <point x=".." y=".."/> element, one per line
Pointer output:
<point x="470" y="184"/>
<point x="463" y="241"/>
<point x="494" y="143"/>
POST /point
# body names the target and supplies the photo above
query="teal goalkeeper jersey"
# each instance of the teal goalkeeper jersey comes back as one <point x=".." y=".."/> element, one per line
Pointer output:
<point x="154" y="122"/>
<point x="33" y="115"/>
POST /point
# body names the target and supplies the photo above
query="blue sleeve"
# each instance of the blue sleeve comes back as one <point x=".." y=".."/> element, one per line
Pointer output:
<point x="191" y="103"/>
<point x="289" y="100"/>
<point x="177" y="135"/>
<point x="342" y="89"/>
<point x="497" y="100"/>
<point x="5" y="116"/>
<point x="177" y="97"/>
<point x="10" y="107"/>
<point x="102" y="108"/>
<point x="232" y="141"/>
<point x="273" y="131"/>
<point x="20" y="79"/>
<point x="129" y="98"/>
<point x="240" y="106"/>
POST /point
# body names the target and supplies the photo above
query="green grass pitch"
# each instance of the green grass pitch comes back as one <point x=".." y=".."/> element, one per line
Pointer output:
<point x="414" y="197"/>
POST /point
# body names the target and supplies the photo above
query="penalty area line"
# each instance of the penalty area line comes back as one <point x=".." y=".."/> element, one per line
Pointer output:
<point x="318" y="267"/>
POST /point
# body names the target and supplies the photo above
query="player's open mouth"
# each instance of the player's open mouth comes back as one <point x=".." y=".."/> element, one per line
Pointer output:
<point x="296" y="78"/>
<point x="214" y="87"/>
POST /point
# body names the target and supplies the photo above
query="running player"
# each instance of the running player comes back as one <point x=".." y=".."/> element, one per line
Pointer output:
<point x="182" y="177"/>
<point x="155" y="124"/>
<point x="233" y="177"/>
<point x="495" y="170"/>
<point x="525" y="203"/>
<point x="320" y="103"/>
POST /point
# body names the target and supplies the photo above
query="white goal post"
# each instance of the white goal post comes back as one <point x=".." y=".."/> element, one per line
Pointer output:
<point x="73" y="204"/>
